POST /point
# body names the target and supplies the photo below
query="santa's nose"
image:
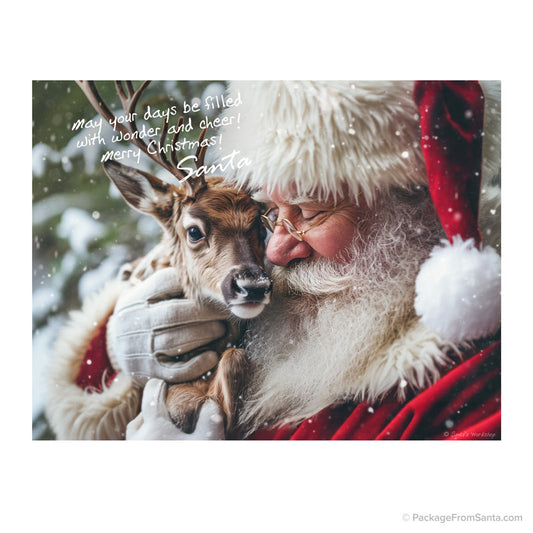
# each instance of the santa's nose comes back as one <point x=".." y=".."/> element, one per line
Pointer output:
<point x="283" y="248"/>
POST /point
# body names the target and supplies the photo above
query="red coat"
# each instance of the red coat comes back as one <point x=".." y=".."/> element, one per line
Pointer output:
<point x="464" y="404"/>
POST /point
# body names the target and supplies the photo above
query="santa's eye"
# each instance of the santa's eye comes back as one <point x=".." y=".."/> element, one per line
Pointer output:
<point x="194" y="234"/>
<point x="309" y="214"/>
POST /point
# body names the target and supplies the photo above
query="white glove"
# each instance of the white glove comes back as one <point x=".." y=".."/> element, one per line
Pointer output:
<point x="154" y="423"/>
<point x="150" y="326"/>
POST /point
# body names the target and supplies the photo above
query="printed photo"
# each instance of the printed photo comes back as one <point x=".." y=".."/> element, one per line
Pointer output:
<point x="266" y="260"/>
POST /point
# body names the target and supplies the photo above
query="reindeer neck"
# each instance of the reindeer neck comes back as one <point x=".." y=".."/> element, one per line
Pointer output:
<point x="164" y="254"/>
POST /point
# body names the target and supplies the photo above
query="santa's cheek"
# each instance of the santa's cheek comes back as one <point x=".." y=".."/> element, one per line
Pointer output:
<point x="332" y="244"/>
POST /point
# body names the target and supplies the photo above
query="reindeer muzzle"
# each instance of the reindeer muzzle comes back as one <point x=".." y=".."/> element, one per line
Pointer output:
<point x="247" y="290"/>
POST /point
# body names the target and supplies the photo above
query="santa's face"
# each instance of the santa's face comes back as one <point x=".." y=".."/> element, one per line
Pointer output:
<point x="326" y="235"/>
<point x="340" y="299"/>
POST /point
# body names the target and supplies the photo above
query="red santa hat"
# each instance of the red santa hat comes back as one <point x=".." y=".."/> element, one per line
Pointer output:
<point x="320" y="138"/>
<point x="458" y="287"/>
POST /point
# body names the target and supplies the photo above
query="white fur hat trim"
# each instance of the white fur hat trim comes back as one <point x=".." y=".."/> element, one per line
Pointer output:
<point x="458" y="291"/>
<point x="321" y="136"/>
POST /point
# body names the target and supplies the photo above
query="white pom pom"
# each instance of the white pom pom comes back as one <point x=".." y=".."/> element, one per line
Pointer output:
<point x="458" y="291"/>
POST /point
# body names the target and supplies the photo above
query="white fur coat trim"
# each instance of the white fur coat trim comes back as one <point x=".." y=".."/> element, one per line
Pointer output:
<point x="412" y="362"/>
<point x="73" y="412"/>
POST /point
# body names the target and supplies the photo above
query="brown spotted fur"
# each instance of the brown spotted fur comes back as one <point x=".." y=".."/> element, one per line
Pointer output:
<point x="232" y="214"/>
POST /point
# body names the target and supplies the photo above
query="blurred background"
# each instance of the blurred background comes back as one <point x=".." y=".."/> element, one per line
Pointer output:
<point x="83" y="231"/>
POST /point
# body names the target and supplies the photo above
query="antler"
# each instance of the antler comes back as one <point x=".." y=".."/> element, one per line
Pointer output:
<point x="129" y="99"/>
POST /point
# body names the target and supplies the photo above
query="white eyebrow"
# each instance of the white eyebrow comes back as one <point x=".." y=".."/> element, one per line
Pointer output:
<point x="262" y="197"/>
<point x="297" y="200"/>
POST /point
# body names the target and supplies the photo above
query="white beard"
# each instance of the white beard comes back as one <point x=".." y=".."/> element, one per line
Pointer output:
<point x="327" y="321"/>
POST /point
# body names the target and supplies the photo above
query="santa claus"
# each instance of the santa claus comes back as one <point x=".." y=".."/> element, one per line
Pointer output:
<point x="384" y="245"/>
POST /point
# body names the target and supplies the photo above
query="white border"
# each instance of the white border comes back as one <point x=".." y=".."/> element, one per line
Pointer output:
<point x="265" y="486"/>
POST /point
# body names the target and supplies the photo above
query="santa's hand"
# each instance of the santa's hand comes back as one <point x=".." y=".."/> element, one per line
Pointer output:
<point x="155" y="333"/>
<point x="154" y="423"/>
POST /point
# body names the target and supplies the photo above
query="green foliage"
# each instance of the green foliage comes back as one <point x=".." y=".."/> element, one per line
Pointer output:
<point x="82" y="230"/>
<point x="70" y="183"/>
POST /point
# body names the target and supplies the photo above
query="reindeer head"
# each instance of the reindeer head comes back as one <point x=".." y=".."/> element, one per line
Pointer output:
<point x="213" y="235"/>
<point x="214" y="239"/>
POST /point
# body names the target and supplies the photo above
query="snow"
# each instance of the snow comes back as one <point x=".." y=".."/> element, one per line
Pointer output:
<point x="148" y="228"/>
<point x="49" y="207"/>
<point x="90" y="153"/>
<point x="80" y="229"/>
<point x="41" y="153"/>
<point x="44" y="301"/>
<point x="42" y="343"/>
<point x="93" y="280"/>
<point x="213" y="89"/>
<point x="72" y="240"/>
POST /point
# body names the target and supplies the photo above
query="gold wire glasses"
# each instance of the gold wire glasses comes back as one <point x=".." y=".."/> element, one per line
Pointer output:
<point x="272" y="221"/>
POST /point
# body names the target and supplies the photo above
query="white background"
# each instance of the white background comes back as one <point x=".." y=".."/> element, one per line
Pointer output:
<point x="239" y="486"/>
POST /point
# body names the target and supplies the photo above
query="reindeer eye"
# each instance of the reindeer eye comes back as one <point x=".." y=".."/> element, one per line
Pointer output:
<point x="194" y="234"/>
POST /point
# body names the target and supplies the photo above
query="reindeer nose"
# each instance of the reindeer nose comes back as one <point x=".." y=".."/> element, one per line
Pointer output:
<point x="248" y="289"/>
<point x="246" y="284"/>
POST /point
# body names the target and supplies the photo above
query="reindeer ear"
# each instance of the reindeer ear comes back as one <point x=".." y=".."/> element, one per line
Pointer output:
<point x="141" y="190"/>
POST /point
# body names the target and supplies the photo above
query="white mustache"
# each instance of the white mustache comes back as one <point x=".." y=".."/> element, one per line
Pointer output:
<point x="318" y="278"/>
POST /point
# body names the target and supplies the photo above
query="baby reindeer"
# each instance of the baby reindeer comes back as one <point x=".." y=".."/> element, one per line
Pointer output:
<point x="212" y="236"/>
